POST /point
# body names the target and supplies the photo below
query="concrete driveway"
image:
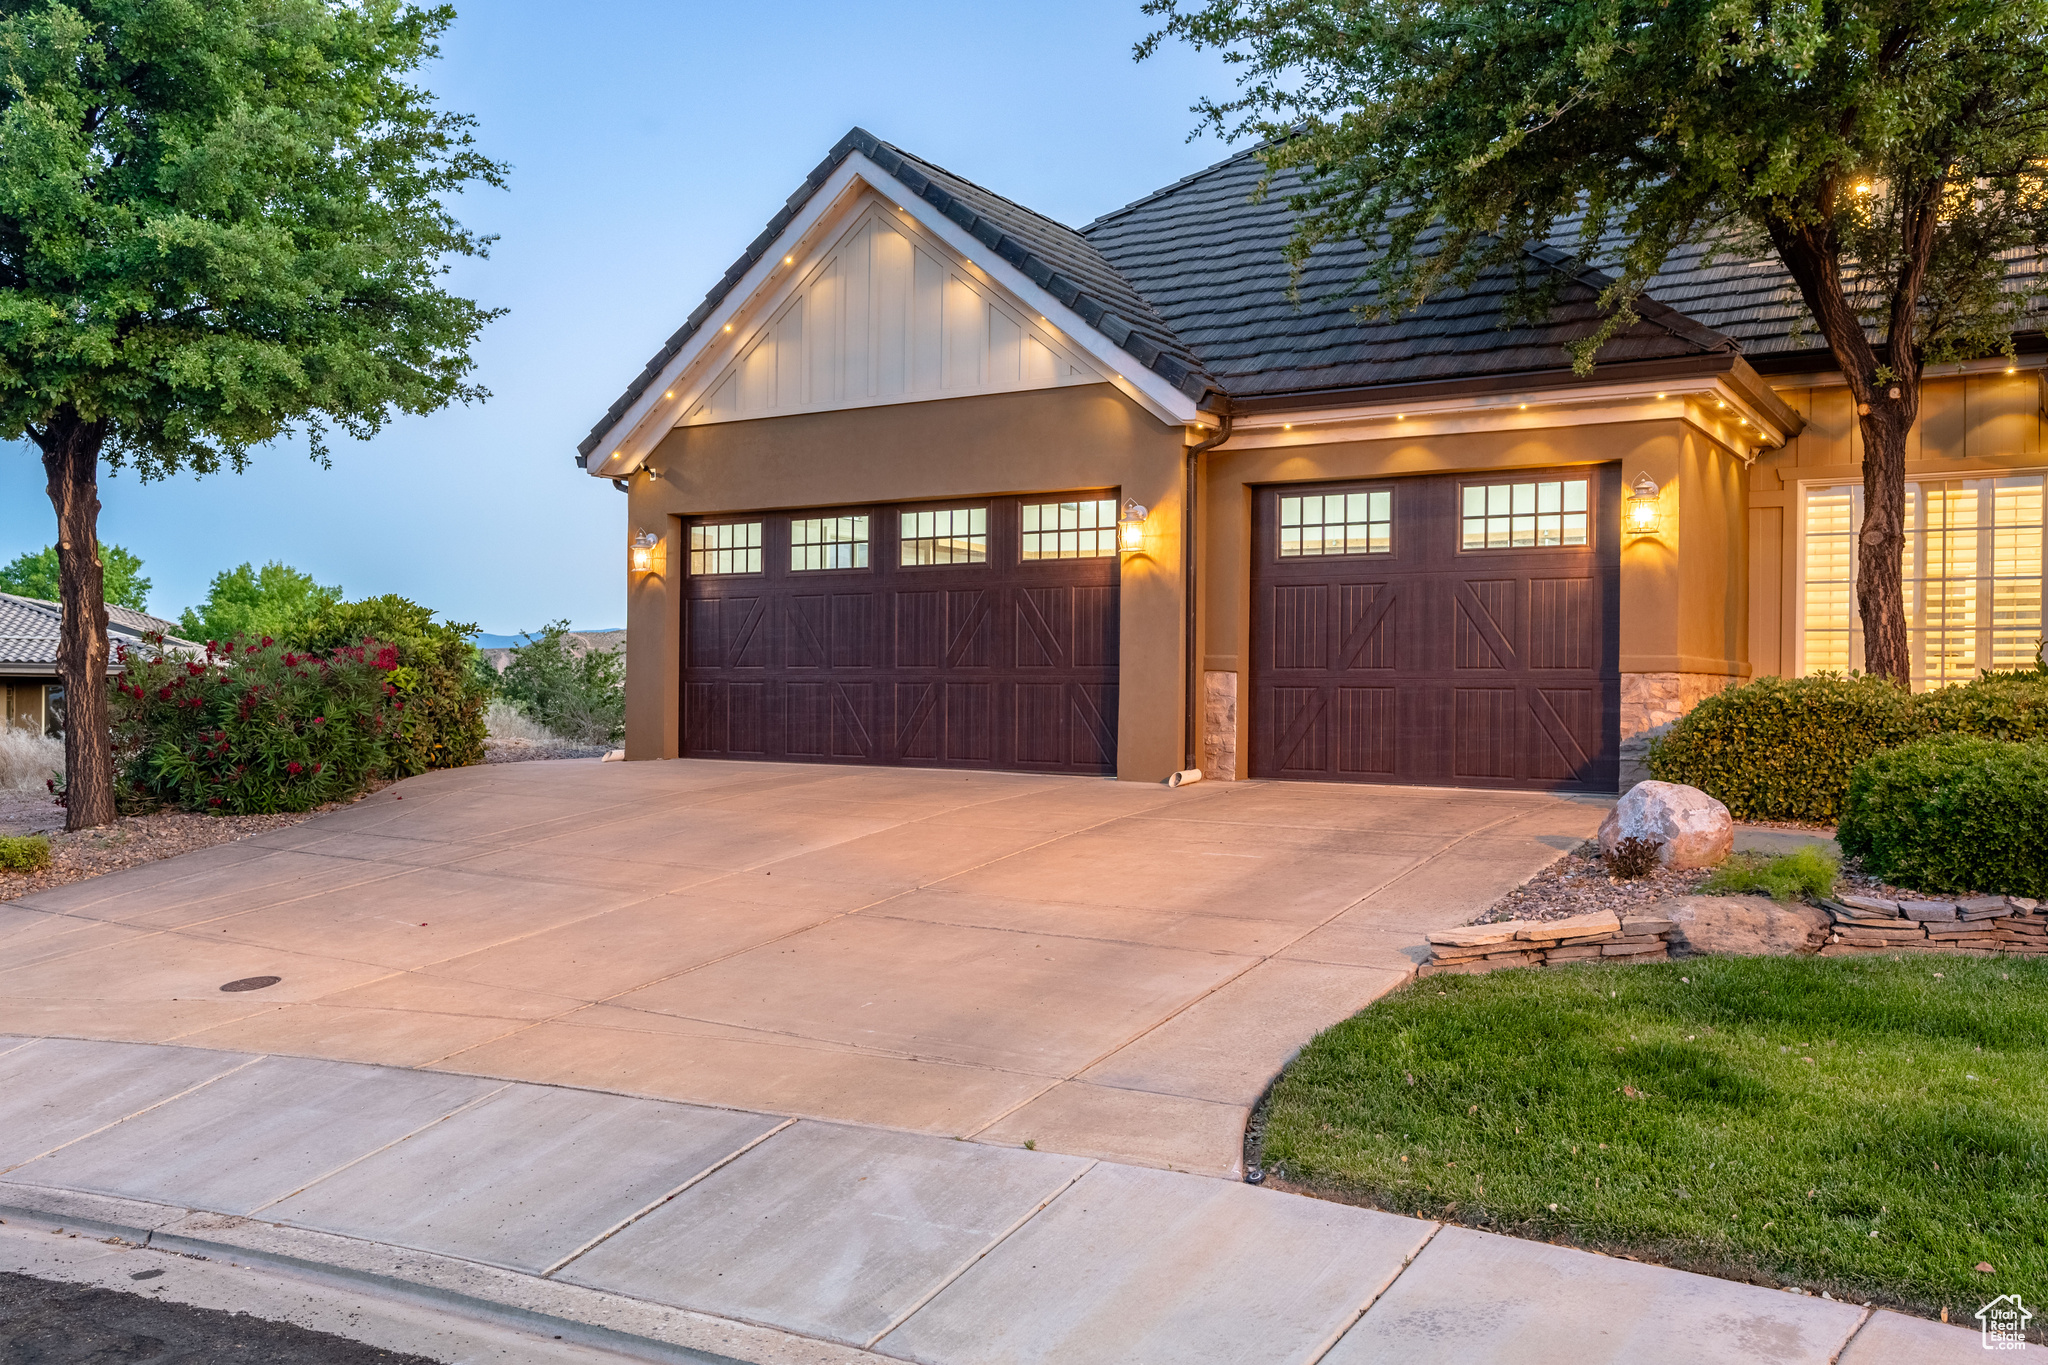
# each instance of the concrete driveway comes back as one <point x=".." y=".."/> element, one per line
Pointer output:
<point x="1104" y="969"/>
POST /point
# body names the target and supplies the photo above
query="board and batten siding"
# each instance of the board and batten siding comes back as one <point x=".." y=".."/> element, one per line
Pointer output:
<point x="886" y="316"/>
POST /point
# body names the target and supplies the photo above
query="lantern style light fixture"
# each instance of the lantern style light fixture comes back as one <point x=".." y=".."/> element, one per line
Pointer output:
<point x="1644" y="513"/>
<point x="1130" y="528"/>
<point x="643" y="551"/>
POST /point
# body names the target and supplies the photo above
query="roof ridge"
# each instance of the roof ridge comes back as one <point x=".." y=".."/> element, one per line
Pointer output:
<point x="1166" y="190"/>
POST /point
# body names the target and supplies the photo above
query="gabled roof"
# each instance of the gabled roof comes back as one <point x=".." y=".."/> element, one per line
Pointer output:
<point x="1052" y="255"/>
<point x="29" y="629"/>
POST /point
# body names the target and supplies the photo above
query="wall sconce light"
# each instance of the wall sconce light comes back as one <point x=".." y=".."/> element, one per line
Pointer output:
<point x="643" y="551"/>
<point x="1130" y="528"/>
<point x="1644" y="514"/>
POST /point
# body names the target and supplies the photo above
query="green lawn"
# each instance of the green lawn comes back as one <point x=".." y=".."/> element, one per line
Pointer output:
<point x="1759" y="1118"/>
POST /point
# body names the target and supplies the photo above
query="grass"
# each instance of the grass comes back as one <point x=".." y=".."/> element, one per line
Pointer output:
<point x="24" y="852"/>
<point x="1807" y="871"/>
<point x="1870" y="1126"/>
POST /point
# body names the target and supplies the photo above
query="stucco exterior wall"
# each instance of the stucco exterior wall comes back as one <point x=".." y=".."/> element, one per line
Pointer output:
<point x="1683" y="593"/>
<point x="1088" y="436"/>
<point x="1970" y="423"/>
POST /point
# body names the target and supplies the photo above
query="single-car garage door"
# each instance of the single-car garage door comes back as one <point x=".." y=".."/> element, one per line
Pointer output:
<point x="1446" y="629"/>
<point x="976" y="633"/>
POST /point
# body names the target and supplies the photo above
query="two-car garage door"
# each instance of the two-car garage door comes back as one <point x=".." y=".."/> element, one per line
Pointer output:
<point x="978" y="633"/>
<point x="1458" y="630"/>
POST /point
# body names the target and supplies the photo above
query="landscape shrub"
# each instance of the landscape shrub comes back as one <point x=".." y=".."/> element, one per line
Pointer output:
<point x="581" y="697"/>
<point x="24" y="852"/>
<point x="437" y="675"/>
<point x="28" y="760"/>
<point x="1809" y="871"/>
<point x="1953" y="813"/>
<point x="256" y="728"/>
<point x="1783" y="748"/>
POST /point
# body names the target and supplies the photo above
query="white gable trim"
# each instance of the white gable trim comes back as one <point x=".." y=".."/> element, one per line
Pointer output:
<point x="753" y="299"/>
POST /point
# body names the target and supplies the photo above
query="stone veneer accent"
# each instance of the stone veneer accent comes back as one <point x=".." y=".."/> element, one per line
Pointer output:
<point x="1651" y="703"/>
<point x="1219" y="727"/>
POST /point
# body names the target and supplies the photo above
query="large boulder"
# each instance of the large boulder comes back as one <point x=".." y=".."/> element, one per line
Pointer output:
<point x="1690" y="828"/>
<point x="1743" y="926"/>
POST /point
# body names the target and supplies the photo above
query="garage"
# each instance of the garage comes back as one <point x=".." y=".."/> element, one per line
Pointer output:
<point x="1452" y="630"/>
<point x="972" y="633"/>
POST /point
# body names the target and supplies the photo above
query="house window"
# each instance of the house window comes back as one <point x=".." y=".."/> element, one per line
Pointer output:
<point x="1070" y="530"/>
<point x="828" y="543"/>
<point x="1337" y="524"/>
<point x="952" y="535"/>
<point x="1507" y="516"/>
<point x="732" y="547"/>
<point x="1971" y="574"/>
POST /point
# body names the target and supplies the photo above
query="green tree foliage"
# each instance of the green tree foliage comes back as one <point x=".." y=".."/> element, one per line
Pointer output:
<point x="246" y="602"/>
<point x="220" y="223"/>
<point x="581" y="697"/>
<point x="1889" y="152"/>
<point x="437" y="676"/>
<point x="35" y="575"/>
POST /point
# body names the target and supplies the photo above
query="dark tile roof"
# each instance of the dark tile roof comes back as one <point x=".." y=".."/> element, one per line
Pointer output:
<point x="1052" y="255"/>
<point x="1210" y="261"/>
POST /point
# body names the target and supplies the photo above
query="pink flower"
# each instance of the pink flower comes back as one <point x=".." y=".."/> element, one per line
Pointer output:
<point x="268" y="642"/>
<point x="292" y="768"/>
<point x="319" y="720"/>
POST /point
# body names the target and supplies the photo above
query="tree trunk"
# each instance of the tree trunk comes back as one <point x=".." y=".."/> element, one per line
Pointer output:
<point x="71" y="457"/>
<point x="1880" y="550"/>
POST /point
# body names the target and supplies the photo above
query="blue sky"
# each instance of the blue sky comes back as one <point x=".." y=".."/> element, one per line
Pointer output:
<point x="649" y="143"/>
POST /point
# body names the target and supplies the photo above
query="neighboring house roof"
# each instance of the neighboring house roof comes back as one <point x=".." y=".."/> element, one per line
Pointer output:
<point x="29" y="631"/>
<point x="1190" y="281"/>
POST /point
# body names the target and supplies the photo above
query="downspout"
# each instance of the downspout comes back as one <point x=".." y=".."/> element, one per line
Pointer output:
<point x="1190" y="770"/>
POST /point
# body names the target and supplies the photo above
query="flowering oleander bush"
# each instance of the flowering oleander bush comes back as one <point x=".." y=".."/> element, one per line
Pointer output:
<point x="440" y="675"/>
<point x="254" y="727"/>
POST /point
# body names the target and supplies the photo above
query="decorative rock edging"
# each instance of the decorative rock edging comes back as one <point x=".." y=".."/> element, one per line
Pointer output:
<point x="1982" y="926"/>
<point x="1604" y="935"/>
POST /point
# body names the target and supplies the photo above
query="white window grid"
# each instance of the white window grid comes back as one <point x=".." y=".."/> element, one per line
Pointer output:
<point x="828" y="543"/>
<point x="1070" y="530"/>
<point x="948" y="535"/>
<point x="1337" y="523"/>
<point x="732" y="547"/>
<point x="1513" y="516"/>
<point x="1972" y="576"/>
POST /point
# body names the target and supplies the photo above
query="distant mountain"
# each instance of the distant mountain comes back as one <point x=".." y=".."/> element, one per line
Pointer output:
<point x="515" y="641"/>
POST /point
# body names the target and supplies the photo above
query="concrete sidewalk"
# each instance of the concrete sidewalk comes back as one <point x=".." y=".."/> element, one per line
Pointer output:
<point x="682" y="1232"/>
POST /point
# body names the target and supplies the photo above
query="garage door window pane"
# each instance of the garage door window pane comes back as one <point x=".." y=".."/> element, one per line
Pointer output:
<point x="828" y="543"/>
<point x="1070" y="530"/>
<point x="732" y="548"/>
<point x="1337" y="524"/>
<point x="952" y="535"/>
<point x="1536" y="514"/>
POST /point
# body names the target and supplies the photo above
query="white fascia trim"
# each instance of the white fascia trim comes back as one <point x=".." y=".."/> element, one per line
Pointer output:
<point x="634" y="436"/>
<point x="1632" y="401"/>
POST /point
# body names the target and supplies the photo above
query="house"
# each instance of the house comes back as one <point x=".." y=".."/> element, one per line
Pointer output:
<point x="931" y="479"/>
<point x="31" y="692"/>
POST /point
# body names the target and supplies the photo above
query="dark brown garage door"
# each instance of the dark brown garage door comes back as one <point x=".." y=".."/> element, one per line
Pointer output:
<point x="1456" y="630"/>
<point x="980" y="633"/>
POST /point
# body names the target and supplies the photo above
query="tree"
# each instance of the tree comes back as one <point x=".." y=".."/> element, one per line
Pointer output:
<point x="276" y="600"/>
<point x="220" y="223"/>
<point x="1890" y="153"/>
<point x="37" y="575"/>
<point x="580" y="694"/>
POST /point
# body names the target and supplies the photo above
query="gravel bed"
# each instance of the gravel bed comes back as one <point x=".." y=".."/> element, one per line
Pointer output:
<point x="131" y="841"/>
<point x="1578" y="884"/>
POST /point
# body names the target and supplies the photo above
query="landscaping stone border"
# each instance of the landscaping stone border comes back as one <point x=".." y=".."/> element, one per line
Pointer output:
<point x="1979" y="925"/>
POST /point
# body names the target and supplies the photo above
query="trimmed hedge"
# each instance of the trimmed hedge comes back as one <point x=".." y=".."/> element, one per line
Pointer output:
<point x="1953" y="813"/>
<point x="1783" y="748"/>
